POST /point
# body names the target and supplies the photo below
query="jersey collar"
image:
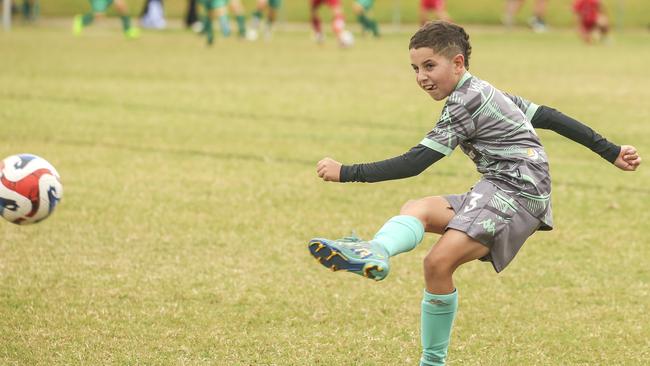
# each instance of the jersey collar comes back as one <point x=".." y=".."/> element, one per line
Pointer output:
<point x="463" y="79"/>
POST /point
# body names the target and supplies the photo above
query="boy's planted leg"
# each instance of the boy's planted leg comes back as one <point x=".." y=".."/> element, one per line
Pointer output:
<point x="440" y="299"/>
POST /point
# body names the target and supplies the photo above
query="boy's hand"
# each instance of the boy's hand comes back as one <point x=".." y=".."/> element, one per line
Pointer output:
<point x="628" y="159"/>
<point x="329" y="169"/>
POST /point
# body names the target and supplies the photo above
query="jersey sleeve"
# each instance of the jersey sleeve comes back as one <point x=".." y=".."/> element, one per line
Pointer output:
<point x="551" y="119"/>
<point x="454" y="126"/>
<point x="409" y="164"/>
<point x="529" y="108"/>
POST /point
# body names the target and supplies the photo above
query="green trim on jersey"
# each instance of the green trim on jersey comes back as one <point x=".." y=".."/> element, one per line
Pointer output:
<point x="530" y="111"/>
<point x="463" y="79"/>
<point x="433" y="145"/>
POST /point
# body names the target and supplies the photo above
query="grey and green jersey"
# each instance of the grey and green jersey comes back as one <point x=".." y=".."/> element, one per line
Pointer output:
<point x="494" y="130"/>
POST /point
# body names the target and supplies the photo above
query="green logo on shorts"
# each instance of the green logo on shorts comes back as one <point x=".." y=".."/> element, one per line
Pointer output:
<point x="489" y="226"/>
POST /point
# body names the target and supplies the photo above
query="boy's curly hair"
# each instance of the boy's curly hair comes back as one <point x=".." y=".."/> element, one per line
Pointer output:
<point x="444" y="38"/>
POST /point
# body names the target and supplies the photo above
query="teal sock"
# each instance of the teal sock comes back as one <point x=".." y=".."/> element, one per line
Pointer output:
<point x="241" y="25"/>
<point x="87" y="19"/>
<point x="438" y="312"/>
<point x="400" y="234"/>
<point x="224" y="24"/>
<point x="126" y="22"/>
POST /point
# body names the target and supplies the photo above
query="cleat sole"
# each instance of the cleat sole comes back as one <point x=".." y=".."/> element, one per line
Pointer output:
<point x="334" y="260"/>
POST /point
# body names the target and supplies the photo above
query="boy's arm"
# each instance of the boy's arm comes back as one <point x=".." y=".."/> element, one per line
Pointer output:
<point x="550" y="119"/>
<point x="624" y="157"/>
<point x="409" y="164"/>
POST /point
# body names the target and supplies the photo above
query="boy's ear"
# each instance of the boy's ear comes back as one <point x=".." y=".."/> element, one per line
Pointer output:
<point x="459" y="60"/>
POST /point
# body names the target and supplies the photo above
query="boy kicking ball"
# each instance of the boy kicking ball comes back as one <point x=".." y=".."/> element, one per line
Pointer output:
<point x="491" y="222"/>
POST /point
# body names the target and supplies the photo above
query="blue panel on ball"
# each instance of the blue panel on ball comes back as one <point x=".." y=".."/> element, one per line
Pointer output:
<point x="24" y="160"/>
<point x="54" y="200"/>
<point x="7" y="204"/>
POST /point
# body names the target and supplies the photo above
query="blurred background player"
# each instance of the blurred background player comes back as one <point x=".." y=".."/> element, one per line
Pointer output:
<point x="153" y="15"/>
<point x="29" y="10"/>
<point x="219" y="9"/>
<point x="536" y="22"/>
<point x="437" y="7"/>
<point x="338" y="22"/>
<point x="592" y="21"/>
<point x="98" y="9"/>
<point x="361" y="9"/>
<point x="271" y="7"/>
<point x="237" y="9"/>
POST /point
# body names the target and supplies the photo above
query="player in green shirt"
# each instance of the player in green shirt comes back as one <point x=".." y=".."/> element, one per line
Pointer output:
<point x="98" y="9"/>
<point x="361" y="9"/>
<point x="219" y="9"/>
<point x="272" y="7"/>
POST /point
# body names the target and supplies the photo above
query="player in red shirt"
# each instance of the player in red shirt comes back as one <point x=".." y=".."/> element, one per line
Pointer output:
<point x="591" y="19"/>
<point x="433" y="6"/>
<point x="338" y="22"/>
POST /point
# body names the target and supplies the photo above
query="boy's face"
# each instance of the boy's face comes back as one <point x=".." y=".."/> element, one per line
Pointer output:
<point x="436" y="74"/>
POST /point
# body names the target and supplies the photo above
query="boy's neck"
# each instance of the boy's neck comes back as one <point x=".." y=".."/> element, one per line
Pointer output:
<point x="466" y="75"/>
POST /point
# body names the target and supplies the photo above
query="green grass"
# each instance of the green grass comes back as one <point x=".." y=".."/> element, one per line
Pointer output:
<point x="190" y="194"/>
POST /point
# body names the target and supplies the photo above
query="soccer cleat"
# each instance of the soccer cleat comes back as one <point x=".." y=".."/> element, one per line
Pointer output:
<point x="132" y="33"/>
<point x="77" y="25"/>
<point x="351" y="254"/>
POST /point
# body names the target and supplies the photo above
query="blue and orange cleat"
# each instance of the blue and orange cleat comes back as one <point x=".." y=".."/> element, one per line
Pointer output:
<point x="351" y="254"/>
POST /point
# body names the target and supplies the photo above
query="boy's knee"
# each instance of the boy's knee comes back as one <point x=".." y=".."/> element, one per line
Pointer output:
<point x="437" y="265"/>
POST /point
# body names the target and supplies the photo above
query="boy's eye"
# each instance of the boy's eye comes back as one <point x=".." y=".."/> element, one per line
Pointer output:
<point x="428" y="67"/>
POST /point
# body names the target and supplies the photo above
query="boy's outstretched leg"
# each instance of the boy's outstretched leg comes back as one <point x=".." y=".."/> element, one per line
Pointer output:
<point x="399" y="234"/>
<point x="369" y="258"/>
<point x="440" y="300"/>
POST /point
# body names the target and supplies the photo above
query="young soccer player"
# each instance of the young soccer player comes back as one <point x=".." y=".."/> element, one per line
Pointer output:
<point x="361" y="9"/>
<point x="338" y="22"/>
<point x="592" y="20"/>
<point x="508" y="204"/>
<point x="272" y="7"/>
<point x="437" y="7"/>
<point x="219" y="9"/>
<point x="98" y="9"/>
<point x="536" y="22"/>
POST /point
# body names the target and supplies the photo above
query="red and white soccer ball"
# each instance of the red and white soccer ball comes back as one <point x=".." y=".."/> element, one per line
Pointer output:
<point x="30" y="189"/>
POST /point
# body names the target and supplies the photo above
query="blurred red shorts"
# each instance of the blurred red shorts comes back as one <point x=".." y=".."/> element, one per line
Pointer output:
<point x="331" y="3"/>
<point x="588" y="24"/>
<point x="432" y="4"/>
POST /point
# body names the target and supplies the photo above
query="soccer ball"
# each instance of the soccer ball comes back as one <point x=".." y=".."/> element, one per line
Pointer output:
<point x="346" y="39"/>
<point x="30" y="189"/>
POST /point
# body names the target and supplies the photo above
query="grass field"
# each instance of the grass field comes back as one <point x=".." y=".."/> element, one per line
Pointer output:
<point x="190" y="194"/>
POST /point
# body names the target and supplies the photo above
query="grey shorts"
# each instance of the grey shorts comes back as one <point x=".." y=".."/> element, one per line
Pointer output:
<point x="492" y="217"/>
